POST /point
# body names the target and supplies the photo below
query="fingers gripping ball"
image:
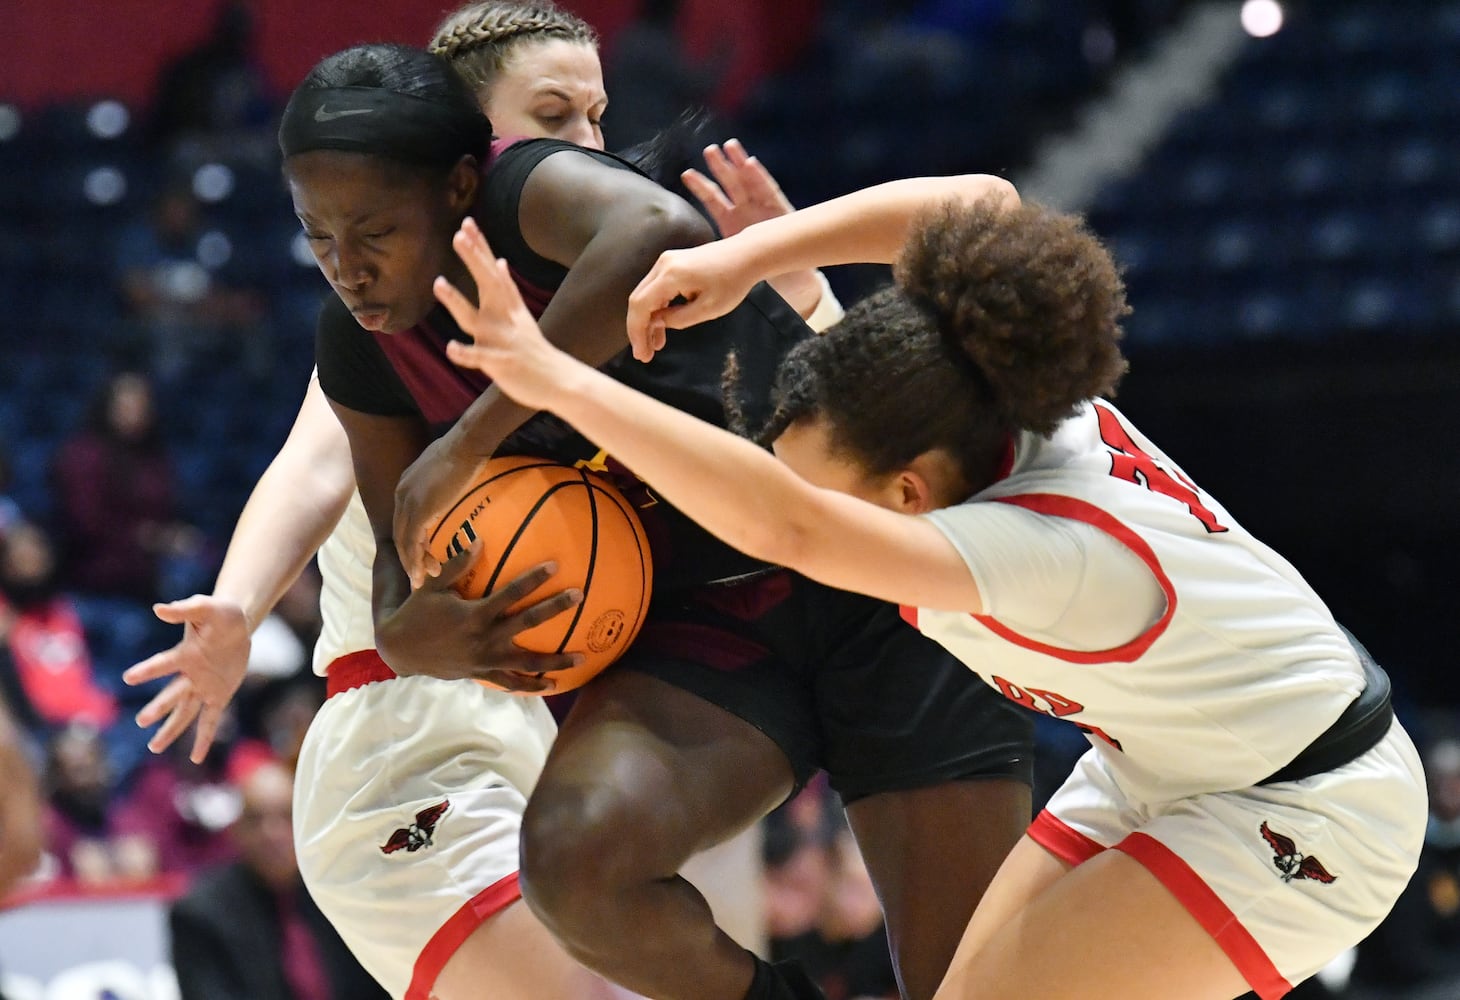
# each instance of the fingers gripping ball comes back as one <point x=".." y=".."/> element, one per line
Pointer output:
<point x="526" y="511"/>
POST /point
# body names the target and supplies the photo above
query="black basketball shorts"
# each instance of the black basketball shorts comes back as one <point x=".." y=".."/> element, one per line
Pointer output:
<point x="838" y="681"/>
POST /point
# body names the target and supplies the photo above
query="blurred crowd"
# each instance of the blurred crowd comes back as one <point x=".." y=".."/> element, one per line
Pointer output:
<point x="78" y="578"/>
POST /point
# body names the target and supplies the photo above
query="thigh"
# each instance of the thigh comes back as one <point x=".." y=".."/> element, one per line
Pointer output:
<point x="1106" y="929"/>
<point x="513" y="955"/>
<point x="932" y="853"/>
<point x="672" y="773"/>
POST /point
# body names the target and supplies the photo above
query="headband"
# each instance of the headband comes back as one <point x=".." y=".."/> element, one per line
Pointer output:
<point x="380" y="122"/>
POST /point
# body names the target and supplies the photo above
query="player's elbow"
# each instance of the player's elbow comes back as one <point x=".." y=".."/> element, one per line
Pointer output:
<point x="669" y="223"/>
<point x="977" y="187"/>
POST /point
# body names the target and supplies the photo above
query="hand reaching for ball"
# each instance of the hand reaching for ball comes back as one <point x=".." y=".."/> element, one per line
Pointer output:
<point x="507" y="344"/>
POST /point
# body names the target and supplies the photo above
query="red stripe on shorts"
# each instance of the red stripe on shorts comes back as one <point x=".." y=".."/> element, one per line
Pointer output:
<point x="1209" y="910"/>
<point x="355" y="670"/>
<point x="453" y="934"/>
<point x="1062" y="840"/>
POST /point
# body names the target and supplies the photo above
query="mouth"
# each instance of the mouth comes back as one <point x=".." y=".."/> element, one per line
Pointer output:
<point x="372" y="317"/>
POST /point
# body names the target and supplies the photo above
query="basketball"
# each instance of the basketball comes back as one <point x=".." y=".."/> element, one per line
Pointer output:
<point x="527" y="511"/>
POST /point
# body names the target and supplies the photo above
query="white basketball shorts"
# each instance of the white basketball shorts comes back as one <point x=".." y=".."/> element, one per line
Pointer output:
<point x="1284" y="877"/>
<point x="408" y="805"/>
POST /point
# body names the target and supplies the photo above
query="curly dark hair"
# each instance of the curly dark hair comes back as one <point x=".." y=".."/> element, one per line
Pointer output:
<point x="999" y="320"/>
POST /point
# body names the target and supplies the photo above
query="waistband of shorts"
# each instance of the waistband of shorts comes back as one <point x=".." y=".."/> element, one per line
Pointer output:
<point x="1358" y="730"/>
<point x="355" y="670"/>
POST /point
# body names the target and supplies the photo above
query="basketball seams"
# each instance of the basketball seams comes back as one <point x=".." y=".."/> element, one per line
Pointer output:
<point x="490" y="506"/>
<point x="639" y="542"/>
<point x="449" y="519"/>
<point x="592" y="558"/>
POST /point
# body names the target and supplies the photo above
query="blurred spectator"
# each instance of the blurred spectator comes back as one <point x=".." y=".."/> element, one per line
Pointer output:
<point x="85" y="838"/>
<point x="821" y="908"/>
<point x="249" y="931"/>
<point x="114" y="498"/>
<point x="45" y="666"/>
<point x="177" y="306"/>
<point x="1415" y="953"/>
<point x="185" y="809"/>
<point x="275" y="716"/>
<point x="22" y="812"/>
<point x="212" y="99"/>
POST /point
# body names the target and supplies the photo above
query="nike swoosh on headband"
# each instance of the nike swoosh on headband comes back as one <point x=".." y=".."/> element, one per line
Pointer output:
<point x="322" y="114"/>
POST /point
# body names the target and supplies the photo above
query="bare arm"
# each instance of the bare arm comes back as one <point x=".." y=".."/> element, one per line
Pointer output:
<point x="733" y="488"/>
<point x="740" y="192"/>
<point x="607" y="226"/>
<point x="291" y="511"/>
<point x="868" y="226"/>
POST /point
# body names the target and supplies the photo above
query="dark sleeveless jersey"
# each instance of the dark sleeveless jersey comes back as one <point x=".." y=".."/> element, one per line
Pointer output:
<point x="408" y="374"/>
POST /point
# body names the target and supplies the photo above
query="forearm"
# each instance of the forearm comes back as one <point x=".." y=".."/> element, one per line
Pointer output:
<point x="587" y="314"/>
<point x="865" y="227"/>
<point x="733" y="488"/>
<point x="293" y="508"/>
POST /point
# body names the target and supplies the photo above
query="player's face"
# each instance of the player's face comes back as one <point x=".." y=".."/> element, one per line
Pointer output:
<point x="807" y="447"/>
<point x="551" y="89"/>
<point x="931" y="480"/>
<point x="380" y="234"/>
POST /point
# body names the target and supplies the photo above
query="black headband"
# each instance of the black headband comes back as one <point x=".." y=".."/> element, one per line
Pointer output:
<point x="380" y="122"/>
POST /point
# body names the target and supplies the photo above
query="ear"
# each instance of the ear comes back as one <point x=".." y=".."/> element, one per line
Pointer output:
<point x="462" y="184"/>
<point x="931" y="480"/>
<point x="912" y="492"/>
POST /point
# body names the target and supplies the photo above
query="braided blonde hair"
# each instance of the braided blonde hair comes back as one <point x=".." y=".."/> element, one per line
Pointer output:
<point x="478" y="38"/>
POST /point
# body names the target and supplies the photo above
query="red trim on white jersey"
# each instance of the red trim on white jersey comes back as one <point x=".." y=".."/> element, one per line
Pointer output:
<point x="1062" y="840"/>
<point x="355" y="670"/>
<point x="453" y="934"/>
<point x="1209" y="910"/>
<point x="1055" y="505"/>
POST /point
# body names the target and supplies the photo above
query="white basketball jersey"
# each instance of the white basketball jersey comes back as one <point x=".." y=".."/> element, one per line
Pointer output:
<point x="1244" y="668"/>
<point x="346" y="570"/>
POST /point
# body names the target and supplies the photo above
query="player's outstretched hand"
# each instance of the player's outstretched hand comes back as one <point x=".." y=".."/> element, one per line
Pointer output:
<point x="206" y="666"/>
<point x="742" y="191"/>
<point x="439" y="633"/>
<point x="507" y="343"/>
<point x="685" y="287"/>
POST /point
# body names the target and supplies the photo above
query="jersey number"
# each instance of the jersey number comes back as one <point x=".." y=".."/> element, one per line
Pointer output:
<point x="1055" y="705"/>
<point x="1129" y="462"/>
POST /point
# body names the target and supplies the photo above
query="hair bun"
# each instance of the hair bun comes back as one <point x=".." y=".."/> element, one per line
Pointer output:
<point x="1028" y="295"/>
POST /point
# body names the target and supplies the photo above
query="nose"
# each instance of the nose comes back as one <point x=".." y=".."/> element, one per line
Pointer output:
<point x="351" y="271"/>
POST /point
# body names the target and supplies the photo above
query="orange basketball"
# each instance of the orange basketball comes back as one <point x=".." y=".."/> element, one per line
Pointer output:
<point x="527" y="511"/>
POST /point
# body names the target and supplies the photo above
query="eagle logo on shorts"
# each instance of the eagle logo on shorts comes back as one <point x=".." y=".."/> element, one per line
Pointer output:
<point x="418" y="835"/>
<point x="1293" y="863"/>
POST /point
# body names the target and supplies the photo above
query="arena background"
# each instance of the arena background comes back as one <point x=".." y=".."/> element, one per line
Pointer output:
<point x="1281" y="184"/>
